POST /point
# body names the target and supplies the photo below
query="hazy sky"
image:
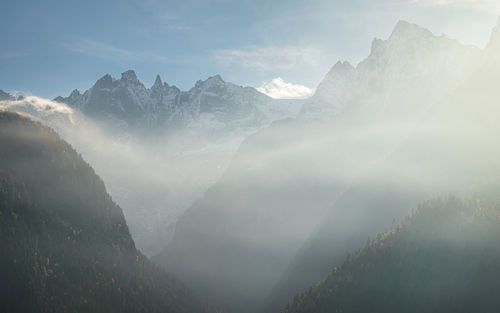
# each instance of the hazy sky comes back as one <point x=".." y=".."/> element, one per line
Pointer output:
<point x="51" y="47"/>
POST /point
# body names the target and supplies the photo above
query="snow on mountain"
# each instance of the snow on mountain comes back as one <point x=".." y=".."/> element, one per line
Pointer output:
<point x="212" y="103"/>
<point x="411" y="67"/>
<point x="280" y="89"/>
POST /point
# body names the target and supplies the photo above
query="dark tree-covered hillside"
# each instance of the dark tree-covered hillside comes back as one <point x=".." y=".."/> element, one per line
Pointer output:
<point x="444" y="258"/>
<point x="65" y="245"/>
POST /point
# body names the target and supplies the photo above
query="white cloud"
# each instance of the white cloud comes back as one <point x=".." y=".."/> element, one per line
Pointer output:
<point x="266" y="59"/>
<point x="483" y="5"/>
<point x="280" y="89"/>
<point x="39" y="109"/>
<point x="38" y="104"/>
<point x="48" y="105"/>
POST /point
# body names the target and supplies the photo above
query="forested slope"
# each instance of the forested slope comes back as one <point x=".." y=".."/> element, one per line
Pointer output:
<point x="65" y="244"/>
<point x="445" y="257"/>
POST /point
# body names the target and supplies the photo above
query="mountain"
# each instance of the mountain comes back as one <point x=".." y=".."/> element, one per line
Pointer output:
<point x="452" y="149"/>
<point x="65" y="244"/>
<point x="213" y="104"/>
<point x="284" y="183"/>
<point x="401" y="77"/>
<point x="167" y="146"/>
<point x="443" y="258"/>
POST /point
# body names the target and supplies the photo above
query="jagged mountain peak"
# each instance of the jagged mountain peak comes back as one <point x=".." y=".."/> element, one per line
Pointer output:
<point x="75" y="93"/>
<point x="405" y="36"/>
<point x="216" y="78"/>
<point x="404" y="29"/>
<point x="129" y="76"/>
<point x="106" y="81"/>
<point x="158" y="82"/>
<point x="105" y="77"/>
<point x="410" y="57"/>
<point x="341" y="67"/>
<point x="329" y="98"/>
<point x="211" y="81"/>
<point x="128" y="102"/>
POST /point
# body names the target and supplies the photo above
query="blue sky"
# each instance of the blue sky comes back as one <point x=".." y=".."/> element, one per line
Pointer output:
<point x="52" y="47"/>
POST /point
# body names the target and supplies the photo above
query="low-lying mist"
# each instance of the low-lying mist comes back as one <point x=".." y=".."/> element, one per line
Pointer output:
<point x="153" y="179"/>
<point x="415" y="120"/>
<point x="261" y="219"/>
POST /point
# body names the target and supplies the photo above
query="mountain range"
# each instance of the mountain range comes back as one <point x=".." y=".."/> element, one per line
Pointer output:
<point x="266" y="196"/>
<point x="290" y="202"/>
<point x="212" y="105"/>
<point x="401" y="77"/>
<point x="173" y="144"/>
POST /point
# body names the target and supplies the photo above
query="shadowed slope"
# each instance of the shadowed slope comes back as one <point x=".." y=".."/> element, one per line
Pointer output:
<point x="65" y="244"/>
<point x="444" y="258"/>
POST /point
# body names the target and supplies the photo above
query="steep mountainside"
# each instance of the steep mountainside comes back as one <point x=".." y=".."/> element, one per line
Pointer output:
<point x="260" y="200"/>
<point x="65" y="244"/>
<point x="452" y="150"/>
<point x="444" y="258"/>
